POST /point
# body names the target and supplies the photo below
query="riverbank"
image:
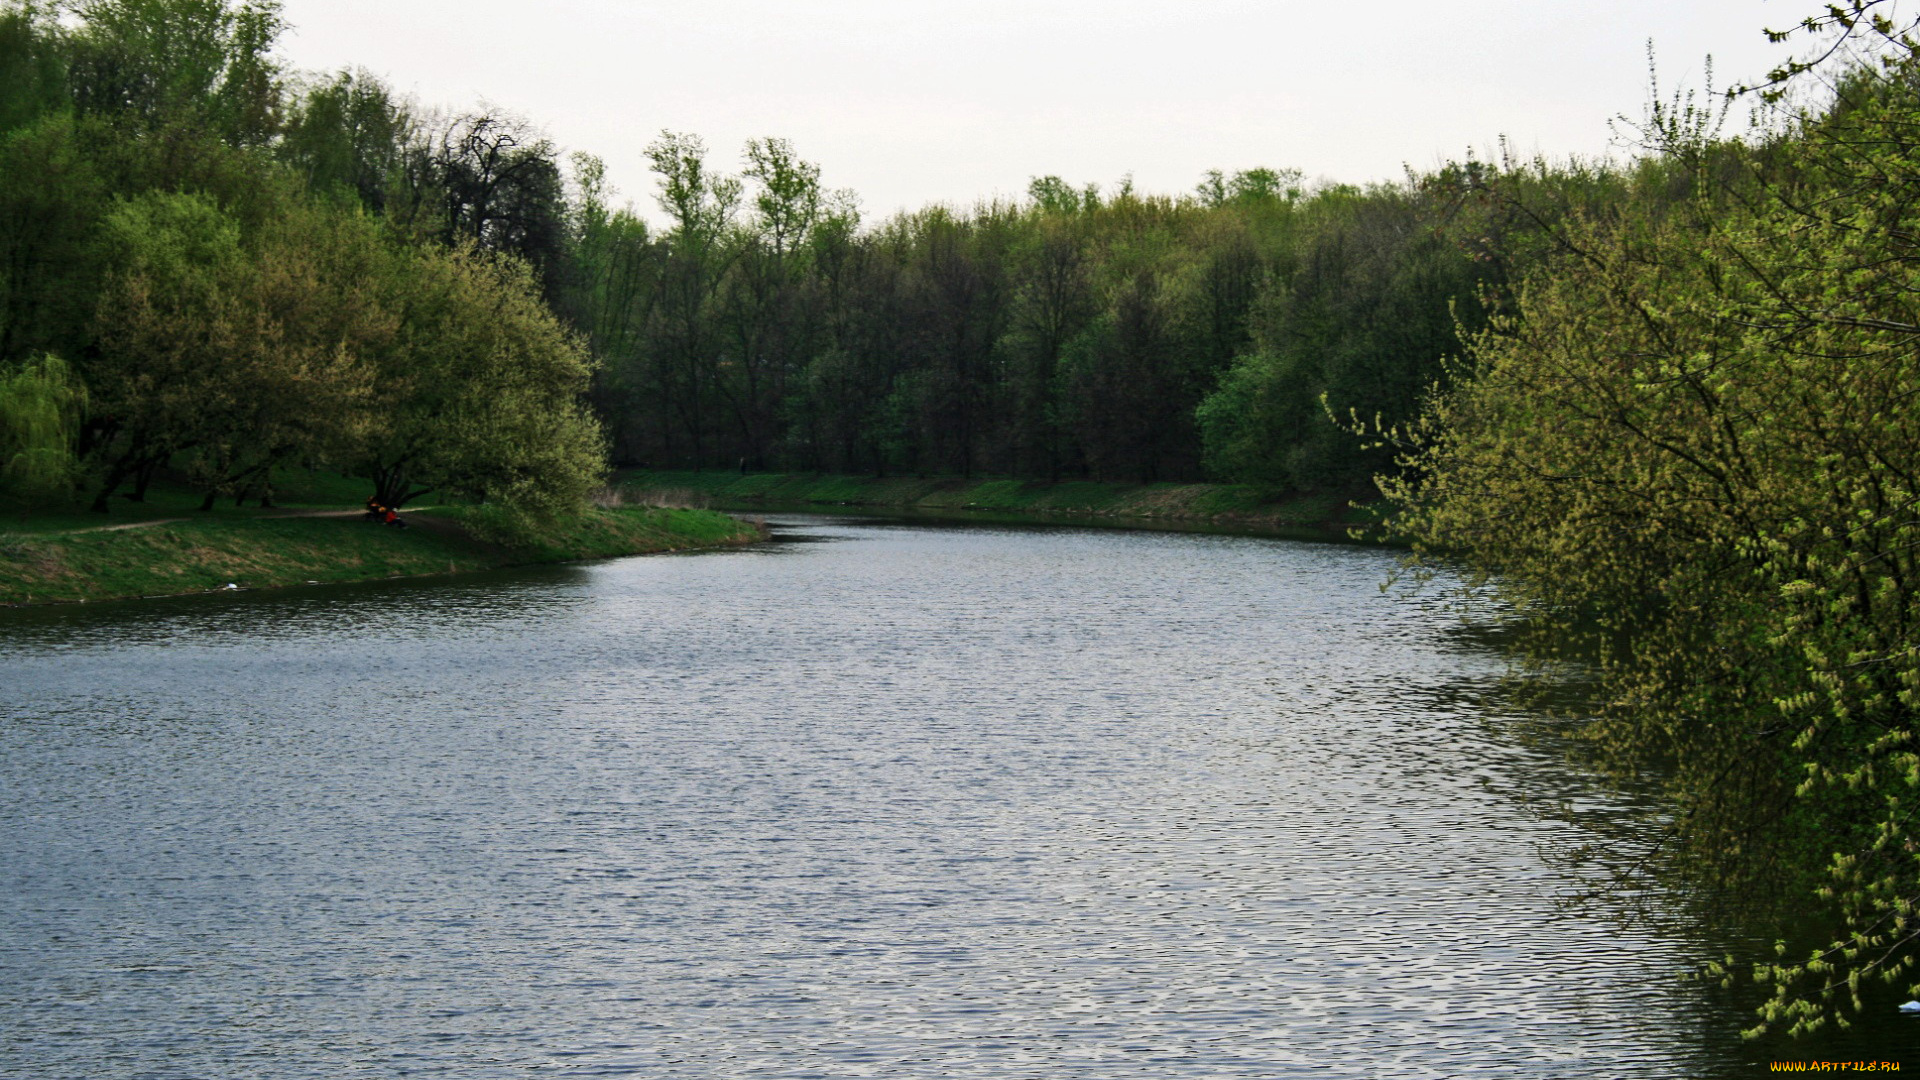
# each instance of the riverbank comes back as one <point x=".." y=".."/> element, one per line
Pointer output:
<point x="172" y="556"/>
<point x="1224" y="504"/>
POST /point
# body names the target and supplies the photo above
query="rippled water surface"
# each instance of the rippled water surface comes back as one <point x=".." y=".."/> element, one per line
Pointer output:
<point x="877" y="800"/>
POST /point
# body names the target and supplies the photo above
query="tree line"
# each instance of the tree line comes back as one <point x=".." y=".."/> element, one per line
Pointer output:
<point x="1075" y="333"/>
<point x="161" y="176"/>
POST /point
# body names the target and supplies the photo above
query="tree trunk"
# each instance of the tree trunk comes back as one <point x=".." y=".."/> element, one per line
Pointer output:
<point x="142" y="477"/>
<point x="116" y="475"/>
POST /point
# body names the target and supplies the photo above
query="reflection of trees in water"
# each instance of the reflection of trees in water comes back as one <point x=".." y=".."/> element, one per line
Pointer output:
<point x="345" y="610"/>
<point x="1626" y="852"/>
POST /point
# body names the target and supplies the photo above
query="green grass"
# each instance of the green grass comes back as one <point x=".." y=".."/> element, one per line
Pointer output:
<point x="628" y="530"/>
<point x="1221" y="503"/>
<point x="52" y="561"/>
<point x="293" y="489"/>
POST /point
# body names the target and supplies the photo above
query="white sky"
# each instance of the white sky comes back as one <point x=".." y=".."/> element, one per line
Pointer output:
<point x="910" y="103"/>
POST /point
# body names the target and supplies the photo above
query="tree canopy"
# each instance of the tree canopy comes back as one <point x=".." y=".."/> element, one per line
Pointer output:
<point x="210" y="266"/>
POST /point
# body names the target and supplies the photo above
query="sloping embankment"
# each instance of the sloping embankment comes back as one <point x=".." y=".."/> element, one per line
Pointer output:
<point x="1221" y="503"/>
<point x="186" y="556"/>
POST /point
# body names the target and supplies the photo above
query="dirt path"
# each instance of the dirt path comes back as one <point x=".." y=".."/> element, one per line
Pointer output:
<point x="316" y="514"/>
<point x="429" y="522"/>
<point x="177" y="520"/>
<point x="116" y="528"/>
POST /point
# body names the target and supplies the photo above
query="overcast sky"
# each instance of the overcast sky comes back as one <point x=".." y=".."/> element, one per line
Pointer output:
<point x="910" y="103"/>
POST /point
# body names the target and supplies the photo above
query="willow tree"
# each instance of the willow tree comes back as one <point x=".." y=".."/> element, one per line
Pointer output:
<point x="40" y="405"/>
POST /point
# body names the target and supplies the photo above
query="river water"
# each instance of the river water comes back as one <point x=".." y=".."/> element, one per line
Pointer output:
<point x="877" y="799"/>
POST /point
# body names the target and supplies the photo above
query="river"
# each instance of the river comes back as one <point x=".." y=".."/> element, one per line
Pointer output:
<point x="876" y="799"/>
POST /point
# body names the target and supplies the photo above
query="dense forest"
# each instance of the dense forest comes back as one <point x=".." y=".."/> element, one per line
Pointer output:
<point x="1667" y="405"/>
<point x="1115" y="336"/>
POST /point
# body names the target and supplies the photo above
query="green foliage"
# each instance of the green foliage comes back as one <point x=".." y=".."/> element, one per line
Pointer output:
<point x="52" y="196"/>
<point x="349" y="135"/>
<point x="701" y="202"/>
<point x="152" y="63"/>
<point x="1257" y="421"/>
<point x="790" y="200"/>
<point x="1074" y="334"/>
<point x="231" y="353"/>
<point x="1690" y="449"/>
<point x="1356" y="321"/>
<point x="33" y="66"/>
<point x="40" y="409"/>
<point x="1251" y="185"/>
<point x="479" y="391"/>
<point x="246" y="278"/>
<point x="1055" y="196"/>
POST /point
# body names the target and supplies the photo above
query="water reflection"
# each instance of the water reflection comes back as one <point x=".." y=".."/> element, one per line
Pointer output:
<point x="878" y="800"/>
<point x="301" y="613"/>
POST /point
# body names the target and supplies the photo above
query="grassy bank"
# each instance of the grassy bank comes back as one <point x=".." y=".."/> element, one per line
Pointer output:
<point x="1223" y="503"/>
<point x="49" y="560"/>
